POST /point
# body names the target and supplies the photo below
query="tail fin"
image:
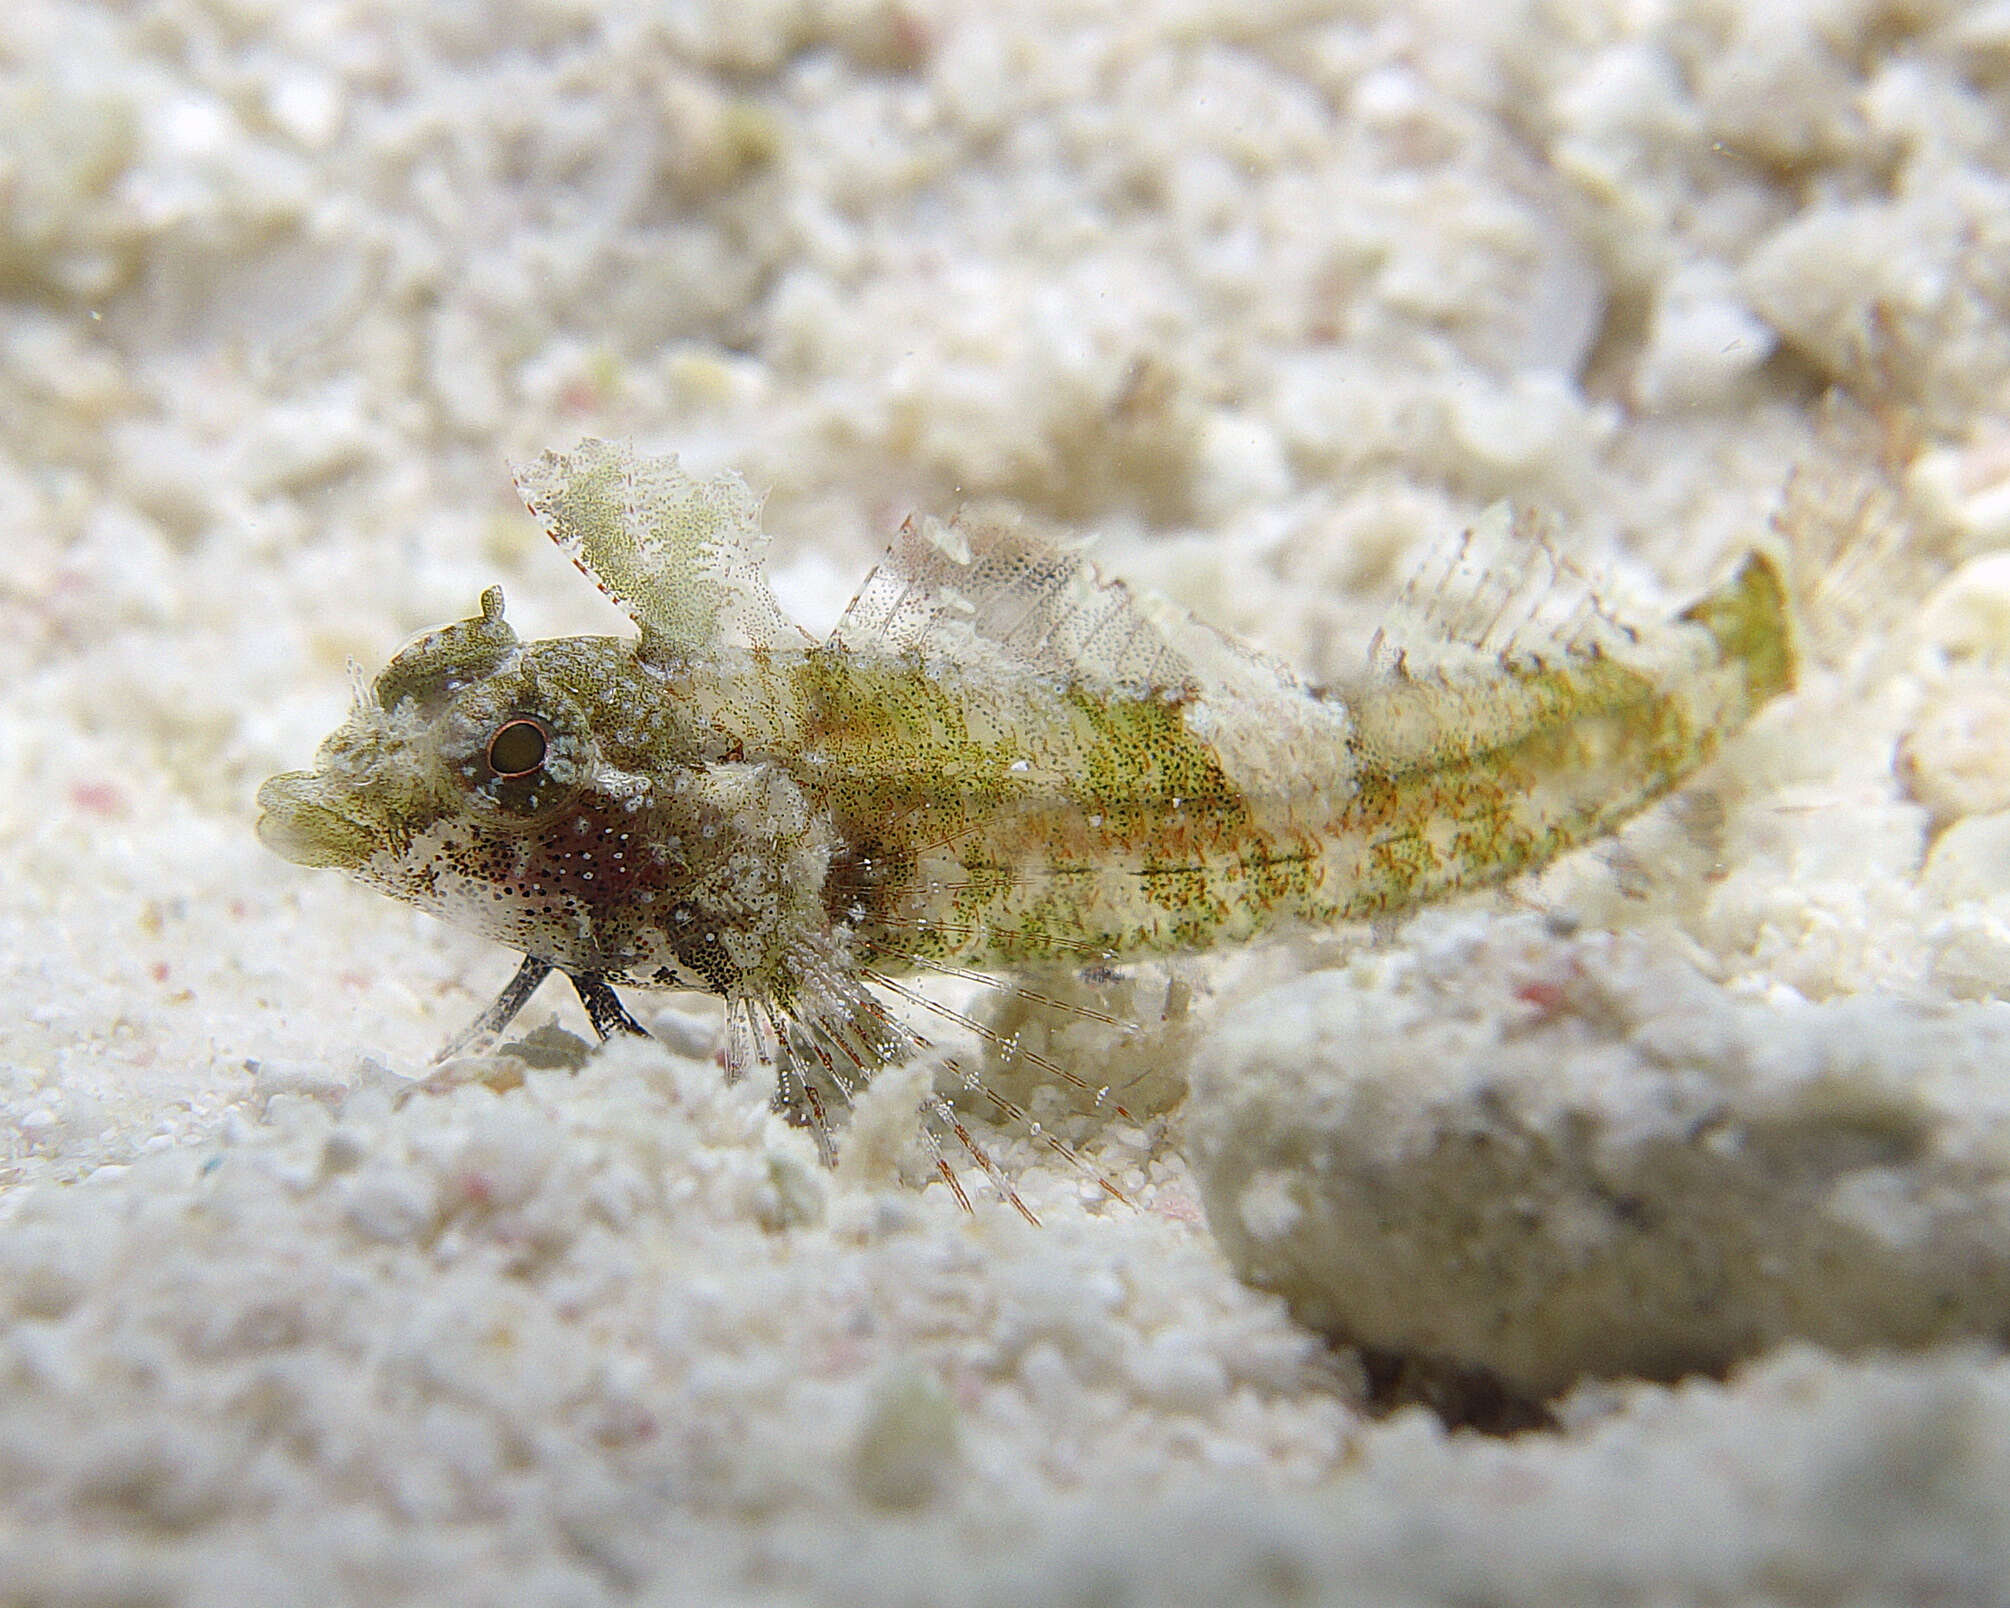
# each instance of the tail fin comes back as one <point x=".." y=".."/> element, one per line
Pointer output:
<point x="1853" y="543"/>
<point x="1750" y="619"/>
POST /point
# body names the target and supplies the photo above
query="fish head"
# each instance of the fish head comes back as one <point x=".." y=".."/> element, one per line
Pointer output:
<point x="564" y="797"/>
<point x="466" y="738"/>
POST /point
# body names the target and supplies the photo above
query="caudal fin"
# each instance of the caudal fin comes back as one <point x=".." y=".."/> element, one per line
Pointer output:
<point x="1853" y="546"/>
<point x="1751" y="620"/>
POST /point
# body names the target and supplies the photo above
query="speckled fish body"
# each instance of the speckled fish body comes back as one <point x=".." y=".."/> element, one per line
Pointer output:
<point x="996" y="759"/>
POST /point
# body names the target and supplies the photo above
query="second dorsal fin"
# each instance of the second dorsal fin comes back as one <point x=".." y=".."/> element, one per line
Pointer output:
<point x="945" y="588"/>
<point x="987" y="590"/>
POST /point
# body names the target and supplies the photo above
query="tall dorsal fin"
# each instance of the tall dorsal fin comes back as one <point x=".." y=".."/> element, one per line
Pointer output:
<point x="684" y="557"/>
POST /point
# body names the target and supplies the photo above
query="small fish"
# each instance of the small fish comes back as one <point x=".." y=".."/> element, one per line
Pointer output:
<point x="997" y="760"/>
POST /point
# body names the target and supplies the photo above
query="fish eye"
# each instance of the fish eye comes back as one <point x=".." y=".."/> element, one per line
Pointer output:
<point x="518" y="747"/>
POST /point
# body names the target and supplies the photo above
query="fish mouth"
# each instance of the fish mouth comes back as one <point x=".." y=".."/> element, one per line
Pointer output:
<point x="299" y="824"/>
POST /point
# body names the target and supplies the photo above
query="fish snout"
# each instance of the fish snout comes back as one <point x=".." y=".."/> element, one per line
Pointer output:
<point x="299" y="823"/>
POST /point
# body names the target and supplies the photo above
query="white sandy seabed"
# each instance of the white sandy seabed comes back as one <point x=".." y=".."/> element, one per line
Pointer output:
<point x="1690" y="1162"/>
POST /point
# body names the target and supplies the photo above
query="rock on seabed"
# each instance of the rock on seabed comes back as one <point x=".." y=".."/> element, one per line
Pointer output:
<point x="1560" y="1159"/>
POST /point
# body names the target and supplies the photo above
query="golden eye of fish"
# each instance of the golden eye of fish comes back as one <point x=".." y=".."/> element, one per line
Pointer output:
<point x="518" y="747"/>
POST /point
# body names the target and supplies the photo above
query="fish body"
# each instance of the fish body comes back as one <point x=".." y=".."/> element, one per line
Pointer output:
<point x="996" y="760"/>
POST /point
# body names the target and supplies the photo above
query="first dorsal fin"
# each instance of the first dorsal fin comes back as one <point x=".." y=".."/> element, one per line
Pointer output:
<point x="684" y="557"/>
